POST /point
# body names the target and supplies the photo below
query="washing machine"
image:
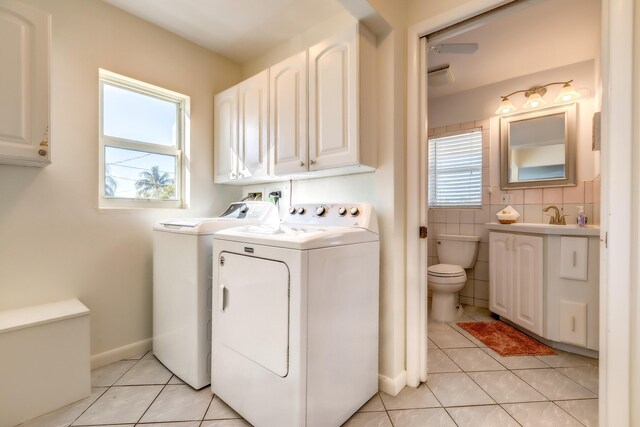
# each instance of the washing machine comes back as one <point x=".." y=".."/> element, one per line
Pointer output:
<point x="295" y="316"/>
<point x="182" y="287"/>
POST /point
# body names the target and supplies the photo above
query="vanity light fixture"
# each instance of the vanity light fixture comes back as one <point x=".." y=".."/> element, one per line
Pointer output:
<point x="535" y="96"/>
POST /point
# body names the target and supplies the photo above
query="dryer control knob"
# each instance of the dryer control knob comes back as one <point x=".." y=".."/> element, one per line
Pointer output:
<point x="320" y="210"/>
<point x="342" y="211"/>
<point x="301" y="211"/>
<point x="354" y="211"/>
<point x="244" y="209"/>
<point x="292" y="210"/>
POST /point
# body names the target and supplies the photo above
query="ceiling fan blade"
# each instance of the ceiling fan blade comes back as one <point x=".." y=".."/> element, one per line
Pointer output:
<point x="465" y="48"/>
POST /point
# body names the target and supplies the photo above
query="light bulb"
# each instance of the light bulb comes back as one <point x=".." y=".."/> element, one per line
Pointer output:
<point x="567" y="94"/>
<point x="534" y="101"/>
<point x="505" y="107"/>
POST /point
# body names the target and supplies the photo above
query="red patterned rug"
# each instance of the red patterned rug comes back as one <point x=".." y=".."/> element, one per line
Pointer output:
<point x="506" y="340"/>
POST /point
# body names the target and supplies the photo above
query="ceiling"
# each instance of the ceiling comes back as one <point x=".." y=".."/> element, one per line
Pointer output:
<point x="544" y="35"/>
<point x="237" y="29"/>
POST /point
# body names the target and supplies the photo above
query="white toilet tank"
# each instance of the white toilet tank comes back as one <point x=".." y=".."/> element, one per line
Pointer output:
<point x="457" y="250"/>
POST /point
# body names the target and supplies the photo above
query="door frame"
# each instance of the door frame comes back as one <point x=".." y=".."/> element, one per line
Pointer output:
<point x="617" y="304"/>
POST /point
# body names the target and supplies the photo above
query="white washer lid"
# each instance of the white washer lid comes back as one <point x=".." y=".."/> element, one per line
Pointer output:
<point x="445" y="270"/>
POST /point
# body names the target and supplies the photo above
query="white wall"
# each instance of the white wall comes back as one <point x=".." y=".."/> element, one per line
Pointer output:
<point x="54" y="241"/>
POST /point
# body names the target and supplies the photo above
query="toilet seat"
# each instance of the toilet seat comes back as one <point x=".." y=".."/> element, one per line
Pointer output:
<point x="446" y="271"/>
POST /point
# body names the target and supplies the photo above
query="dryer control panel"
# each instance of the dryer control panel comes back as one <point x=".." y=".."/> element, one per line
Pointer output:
<point x="361" y="215"/>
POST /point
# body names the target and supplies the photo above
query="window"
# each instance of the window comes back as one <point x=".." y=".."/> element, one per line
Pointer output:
<point x="455" y="170"/>
<point x="143" y="132"/>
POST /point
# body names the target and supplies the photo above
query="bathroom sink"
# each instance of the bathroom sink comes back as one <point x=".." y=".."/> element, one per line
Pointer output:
<point x="536" y="228"/>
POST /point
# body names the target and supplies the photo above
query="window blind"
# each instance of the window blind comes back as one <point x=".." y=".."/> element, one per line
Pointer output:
<point x="455" y="170"/>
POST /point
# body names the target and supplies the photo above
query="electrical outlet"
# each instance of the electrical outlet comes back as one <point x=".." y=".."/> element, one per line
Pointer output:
<point x="255" y="196"/>
<point x="506" y="199"/>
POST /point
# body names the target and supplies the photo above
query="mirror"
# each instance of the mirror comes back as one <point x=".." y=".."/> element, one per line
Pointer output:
<point x="538" y="149"/>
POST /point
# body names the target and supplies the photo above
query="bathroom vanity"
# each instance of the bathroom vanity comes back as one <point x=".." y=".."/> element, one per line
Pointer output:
<point x="544" y="278"/>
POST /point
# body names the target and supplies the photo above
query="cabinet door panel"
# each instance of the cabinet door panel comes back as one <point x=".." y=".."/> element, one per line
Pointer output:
<point x="574" y="256"/>
<point x="225" y="121"/>
<point x="573" y="322"/>
<point x="288" y="112"/>
<point x="500" y="274"/>
<point x="527" y="282"/>
<point x="253" y="105"/>
<point x="333" y="109"/>
<point x="24" y="85"/>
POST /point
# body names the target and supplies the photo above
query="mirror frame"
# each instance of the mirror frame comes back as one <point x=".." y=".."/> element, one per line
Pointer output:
<point x="569" y="111"/>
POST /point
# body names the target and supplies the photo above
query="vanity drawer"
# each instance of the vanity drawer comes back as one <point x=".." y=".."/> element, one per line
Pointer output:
<point x="574" y="255"/>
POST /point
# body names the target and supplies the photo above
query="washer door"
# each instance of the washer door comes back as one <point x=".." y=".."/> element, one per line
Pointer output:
<point x="253" y="304"/>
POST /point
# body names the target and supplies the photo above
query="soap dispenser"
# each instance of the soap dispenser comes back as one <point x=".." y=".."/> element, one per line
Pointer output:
<point x="582" y="220"/>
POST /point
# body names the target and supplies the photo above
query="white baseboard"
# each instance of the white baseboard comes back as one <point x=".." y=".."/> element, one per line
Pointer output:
<point x="129" y="350"/>
<point x="392" y="386"/>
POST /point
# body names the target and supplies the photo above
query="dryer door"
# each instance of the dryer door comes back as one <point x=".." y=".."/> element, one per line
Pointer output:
<point x="253" y="304"/>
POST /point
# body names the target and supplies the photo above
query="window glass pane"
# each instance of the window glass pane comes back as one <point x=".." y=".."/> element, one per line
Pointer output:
<point x="132" y="115"/>
<point x="138" y="174"/>
<point x="455" y="170"/>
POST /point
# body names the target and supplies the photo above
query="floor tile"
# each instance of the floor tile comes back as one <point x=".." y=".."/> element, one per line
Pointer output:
<point x="433" y="326"/>
<point x="179" y="403"/>
<point x="431" y="344"/>
<point x="368" y="419"/>
<point x="450" y="339"/>
<point x="473" y="359"/>
<point x="481" y="416"/>
<point x="586" y="376"/>
<point x="541" y="414"/>
<point x="506" y="387"/>
<point x="410" y="398"/>
<point x="138" y="356"/>
<point x="120" y="405"/>
<point x="435" y="417"/>
<point x="553" y="385"/>
<point x="176" y="424"/>
<point x="585" y="411"/>
<point x="66" y="415"/>
<point x="225" y="423"/>
<point x="439" y="362"/>
<point x="373" y="405"/>
<point x="457" y="390"/>
<point x="218" y="410"/>
<point x="564" y="360"/>
<point x="516" y="362"/>
<point x="175" y="381"/>
<point x="106" y="376"/>
<point x="146" y="371"/>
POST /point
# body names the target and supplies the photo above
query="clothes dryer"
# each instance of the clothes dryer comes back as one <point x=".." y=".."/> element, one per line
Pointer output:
<point x="295" y="318"/>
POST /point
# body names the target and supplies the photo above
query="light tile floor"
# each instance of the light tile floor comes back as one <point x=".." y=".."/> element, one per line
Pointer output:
<point x="468" y="385"/>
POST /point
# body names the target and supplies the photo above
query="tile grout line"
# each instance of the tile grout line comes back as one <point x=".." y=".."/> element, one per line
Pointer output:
<point x="108" y="387"/>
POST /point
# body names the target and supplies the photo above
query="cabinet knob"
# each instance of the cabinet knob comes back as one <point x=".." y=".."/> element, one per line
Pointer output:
<point x="42" y="152"/>
<point x="301" y="164"/>
<point x="312" y="162"/>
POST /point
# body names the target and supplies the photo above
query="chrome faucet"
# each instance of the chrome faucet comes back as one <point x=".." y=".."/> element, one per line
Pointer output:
<point x="557" y="218"/>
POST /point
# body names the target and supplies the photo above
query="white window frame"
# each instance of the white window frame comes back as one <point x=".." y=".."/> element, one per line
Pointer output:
<point x="433" y="205"/>
<point x="180" y="151"/>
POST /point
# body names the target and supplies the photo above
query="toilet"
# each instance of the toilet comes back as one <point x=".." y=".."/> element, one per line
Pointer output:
<point x="446" y="279"/>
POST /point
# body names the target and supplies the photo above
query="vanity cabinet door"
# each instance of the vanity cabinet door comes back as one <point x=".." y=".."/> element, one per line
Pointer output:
<point x="500" y="281"/>
<point x="225" y="124"/>
<point x="24" y="85"/>
<point x="527" y="264"/>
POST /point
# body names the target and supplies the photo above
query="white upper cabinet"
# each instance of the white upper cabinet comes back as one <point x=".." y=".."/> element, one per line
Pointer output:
<point x="288" y="115"/>
<point x="253" y="122"/>
<point x="225" y="124"/>
<point x="311" y="115"/>
<point x="24" y="85"/>
<point x="342" y="101"/>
